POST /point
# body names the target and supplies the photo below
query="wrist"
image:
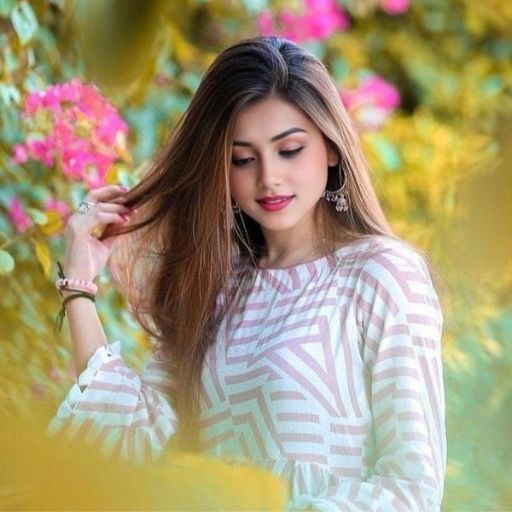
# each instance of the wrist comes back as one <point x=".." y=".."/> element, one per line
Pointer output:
<point x="65" y="282"/>
<point x="66" y="293"/>
<point x="73" y="295"/>
<point x="78" y="273"/>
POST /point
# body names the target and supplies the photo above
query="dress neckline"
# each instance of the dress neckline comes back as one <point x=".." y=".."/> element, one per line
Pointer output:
<point x="296" y="277"/>
<point x="320" y="261"/>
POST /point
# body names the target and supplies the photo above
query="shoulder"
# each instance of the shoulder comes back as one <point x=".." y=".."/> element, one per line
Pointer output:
<point x="391" y="275"/>
<point x="374" y="249"/>
<point x="383" y="255"/>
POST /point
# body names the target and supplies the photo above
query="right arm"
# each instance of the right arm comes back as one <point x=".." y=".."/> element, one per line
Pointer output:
<point x="85" y="257"/>
<point x="109" y="405"/>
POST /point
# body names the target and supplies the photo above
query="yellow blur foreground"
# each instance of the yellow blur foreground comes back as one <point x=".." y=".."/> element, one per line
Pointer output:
<point x="41" y="473"/>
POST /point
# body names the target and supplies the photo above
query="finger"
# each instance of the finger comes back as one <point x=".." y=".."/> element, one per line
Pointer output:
<point x="105" y="193"/>
<point x="112" y="208"/>
<point x="111" y="218"/>
<point x="82" y="226"/>
<point x="88" y="221"/>
<point x="119" y="199"/>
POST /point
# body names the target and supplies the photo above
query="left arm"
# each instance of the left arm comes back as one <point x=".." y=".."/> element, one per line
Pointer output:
<point x="401" y="332"/>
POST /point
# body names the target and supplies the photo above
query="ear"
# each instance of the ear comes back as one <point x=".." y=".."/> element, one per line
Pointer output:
<point x="333" y="157"/>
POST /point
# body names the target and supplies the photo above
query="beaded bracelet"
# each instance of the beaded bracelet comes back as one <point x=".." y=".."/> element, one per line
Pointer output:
<point x="68" y="283"/>
<point x="82" y="289"/>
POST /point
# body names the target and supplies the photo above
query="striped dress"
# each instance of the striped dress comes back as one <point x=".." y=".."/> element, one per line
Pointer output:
<point x="327" y="373"/>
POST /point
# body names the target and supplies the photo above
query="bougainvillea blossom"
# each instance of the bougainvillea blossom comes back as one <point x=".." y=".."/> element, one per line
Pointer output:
<point x="54" y="205"/>
<point x="318" y="21"/>
<point x="395" y="7"/>
<point x="18" y="216"/>
<point x="372" y="101"/>
<point x="77" y="129"/>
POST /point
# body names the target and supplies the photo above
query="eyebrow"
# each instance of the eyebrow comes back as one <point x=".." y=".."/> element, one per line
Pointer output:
<point x="274" y="138"/>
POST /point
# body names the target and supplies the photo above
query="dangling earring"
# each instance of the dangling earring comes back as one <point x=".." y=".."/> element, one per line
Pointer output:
<point x="236" y="208"/>
<point x="338" y="196"/>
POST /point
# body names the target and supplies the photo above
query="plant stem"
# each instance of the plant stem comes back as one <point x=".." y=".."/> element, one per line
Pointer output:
<point x="17" y="238"/>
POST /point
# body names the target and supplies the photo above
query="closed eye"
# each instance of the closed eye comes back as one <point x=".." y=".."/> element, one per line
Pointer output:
<point x="291" y="152"/>
<point x="240" y="162"/>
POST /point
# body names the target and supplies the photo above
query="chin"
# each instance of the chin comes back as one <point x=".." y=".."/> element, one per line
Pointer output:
<point x="277" y="224"/>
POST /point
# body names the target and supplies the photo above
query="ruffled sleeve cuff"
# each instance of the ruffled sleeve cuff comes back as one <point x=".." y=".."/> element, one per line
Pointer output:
<point x="105" y="354"/>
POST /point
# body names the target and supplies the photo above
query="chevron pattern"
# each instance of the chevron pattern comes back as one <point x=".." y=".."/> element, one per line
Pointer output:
<point x="328" y="373"/>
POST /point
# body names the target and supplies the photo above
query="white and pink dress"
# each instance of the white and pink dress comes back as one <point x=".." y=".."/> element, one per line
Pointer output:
<point x="328" y="373"/>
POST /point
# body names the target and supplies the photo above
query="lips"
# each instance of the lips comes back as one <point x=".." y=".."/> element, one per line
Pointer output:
<point x="274" y="203"/>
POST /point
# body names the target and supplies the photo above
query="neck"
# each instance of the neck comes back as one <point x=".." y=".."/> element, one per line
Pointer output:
<point x="292" y="247"/>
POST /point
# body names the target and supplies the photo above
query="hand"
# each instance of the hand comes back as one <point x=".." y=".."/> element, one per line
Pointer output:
<point x="86" y="255"/>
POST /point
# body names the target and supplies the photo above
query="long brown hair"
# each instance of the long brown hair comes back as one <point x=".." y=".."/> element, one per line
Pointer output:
<point x="178" y="256"/>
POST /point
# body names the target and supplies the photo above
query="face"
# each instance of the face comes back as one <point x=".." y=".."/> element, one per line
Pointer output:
<point x="278" y="166"/>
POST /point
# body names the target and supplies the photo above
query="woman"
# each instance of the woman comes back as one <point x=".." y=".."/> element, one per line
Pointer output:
<point x="293" y="328"/>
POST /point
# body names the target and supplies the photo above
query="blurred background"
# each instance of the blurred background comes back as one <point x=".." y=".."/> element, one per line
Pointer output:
<point x="429" y="83"/>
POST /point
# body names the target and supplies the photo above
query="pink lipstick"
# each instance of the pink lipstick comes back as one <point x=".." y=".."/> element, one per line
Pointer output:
<point x="274" y="203"/>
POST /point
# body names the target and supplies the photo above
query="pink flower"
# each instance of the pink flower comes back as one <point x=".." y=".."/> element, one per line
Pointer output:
<point x="42" y="150"/>
<point x="70" y="91"/>
<point x="33" y="102"/>
<point x="51" y="99"/>
<point x="110" y="126"/>
<point x="81" y="131"/>
<point x="294" y="27"/>
<point x="320" y="19"/>
<point x="75" y="158"/>
<point x="19" y="154"/>
<point x="395" y="7"/>
<point x="17" y="215"/>
<point x="265" y="23"/>
<point x="55" y="205"/>
<point x="324" y="17"/>
<point x="372" y="102"/>
<point x="92" y="103"/>
<point x="94" y="176"/>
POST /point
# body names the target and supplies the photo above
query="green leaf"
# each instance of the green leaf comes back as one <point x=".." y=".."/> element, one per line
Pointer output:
<point x="37" y="216"/>
<point x="493" y="85"/>
<point x="255" y="6"/>
<point x="6" y="6"/>
<point x="6" y="262"/>
<point x="126" y="178"/>
<point x="24" y="22"/>
<point x="9" y="94"/>
<point x="9" y="125"/>
<point x="43" y="256"/>
<point x="10" y="60"/>
<point x="339" y="68"/>
<point x="191" y="80"/>
<point x="33" y="82"/>
<point x="317" y="48"/>
<point x="388" y="153"/>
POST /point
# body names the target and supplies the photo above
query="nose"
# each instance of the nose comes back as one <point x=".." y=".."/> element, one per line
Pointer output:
<point x="269" y="175"/>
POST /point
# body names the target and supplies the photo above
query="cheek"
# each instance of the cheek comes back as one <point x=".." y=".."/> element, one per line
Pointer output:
<point x="239" y="184"/>
<point x="316" y="171"/>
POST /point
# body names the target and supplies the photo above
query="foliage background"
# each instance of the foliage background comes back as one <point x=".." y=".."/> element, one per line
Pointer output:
<point x="441" y="162"/>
